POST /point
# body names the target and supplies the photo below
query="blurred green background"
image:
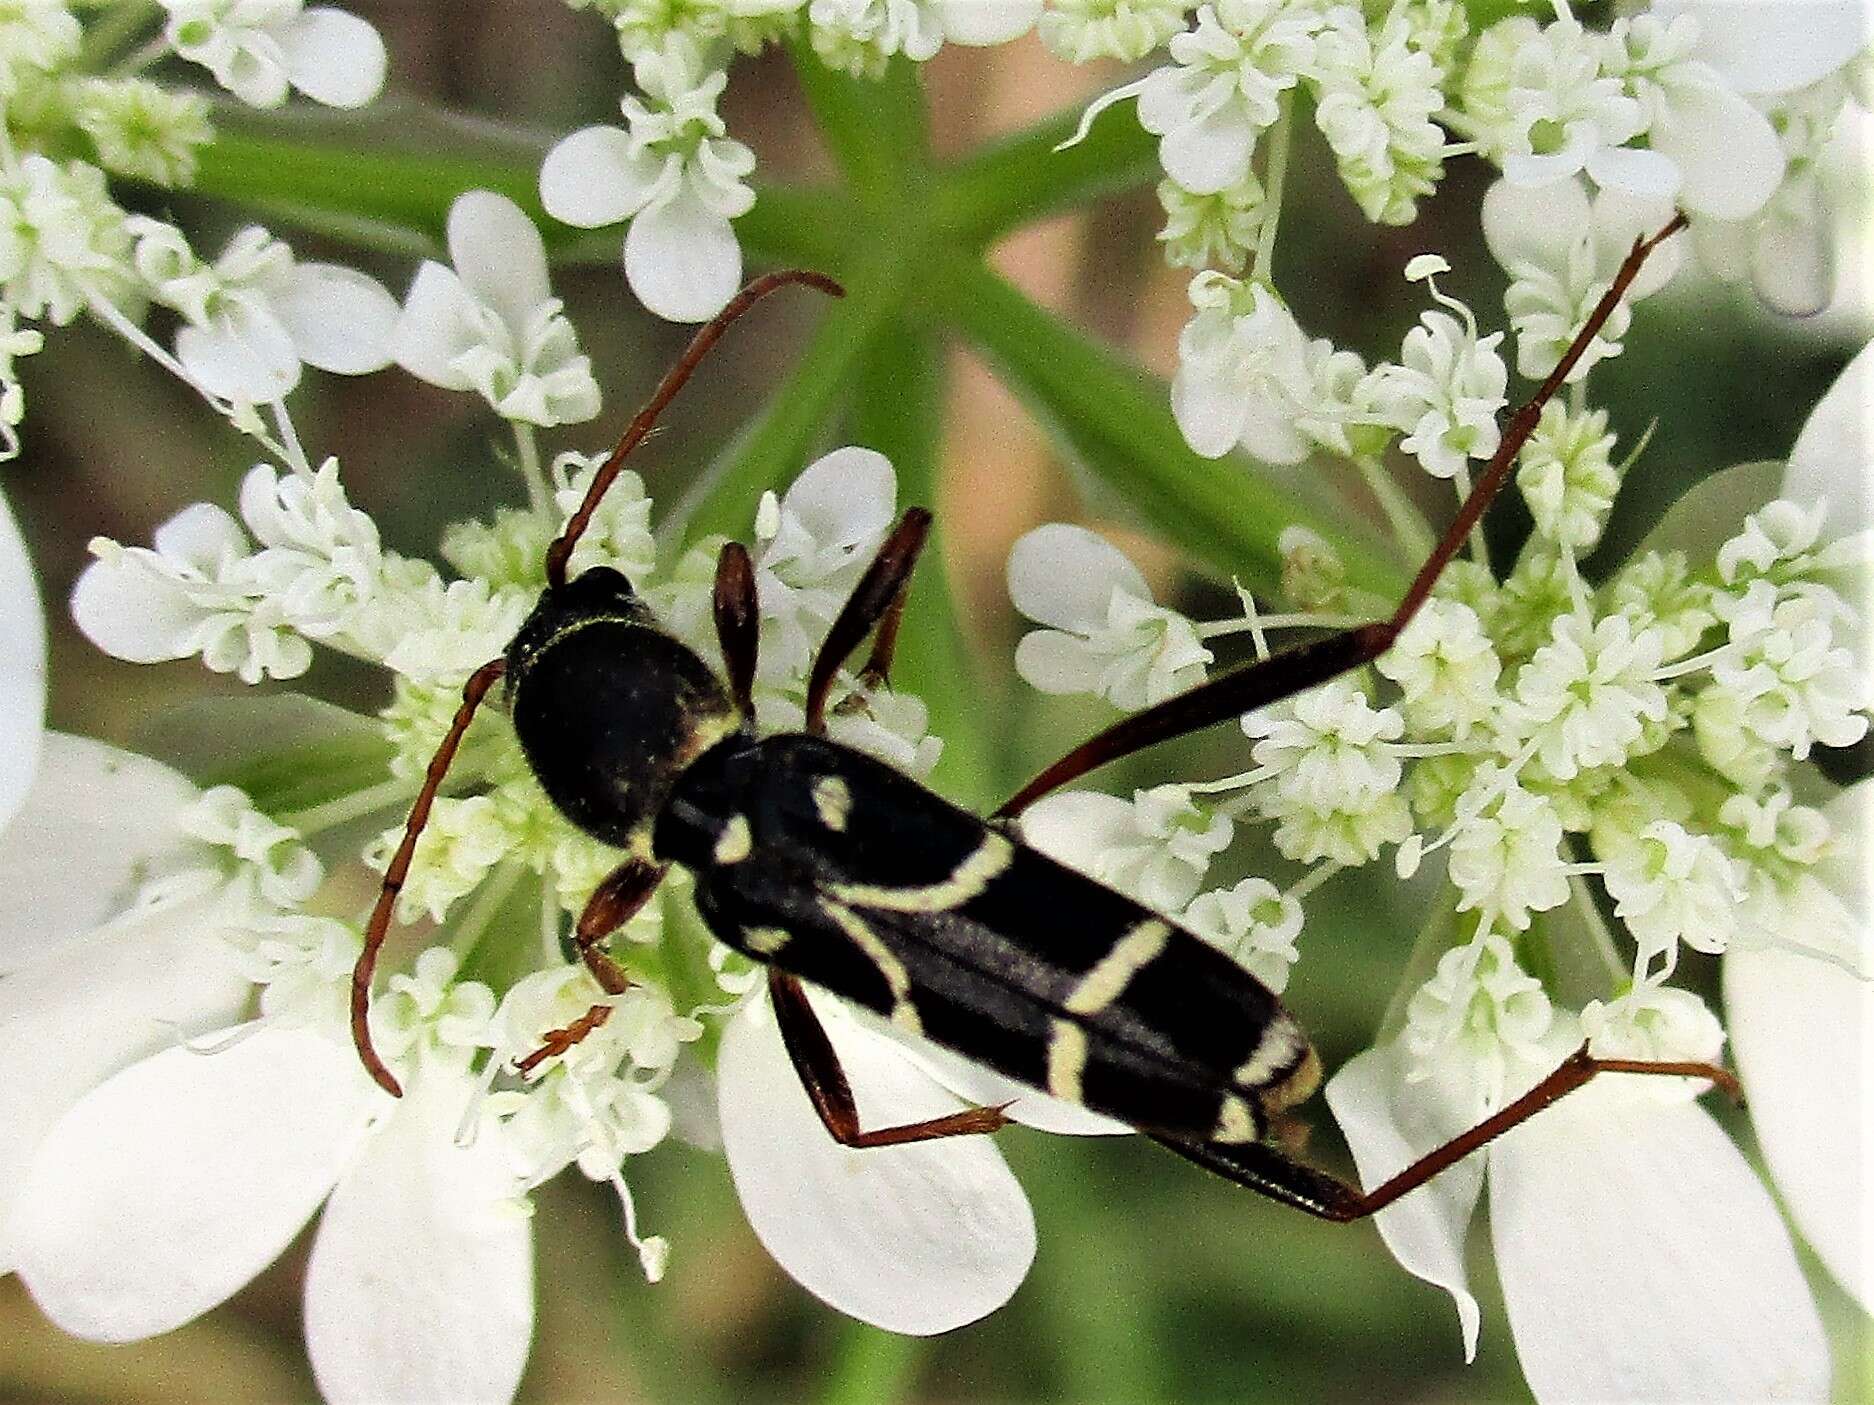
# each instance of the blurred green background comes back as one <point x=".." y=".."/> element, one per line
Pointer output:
<point x="1152" y="1281"/>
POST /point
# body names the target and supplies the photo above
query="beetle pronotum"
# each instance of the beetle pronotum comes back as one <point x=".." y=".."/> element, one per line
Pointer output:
<point x="832" y="868"/>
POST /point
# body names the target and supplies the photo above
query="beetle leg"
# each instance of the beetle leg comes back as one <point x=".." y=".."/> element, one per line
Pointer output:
<point x="1297" y="669"/>
<point x="378" y="926"/>
<point x="612" y="904"/>
<point x="878" y="596"/>
<point x="817" y="1065"/>
<point x="1268" y="1171"/>
<point x="738" y="624"/>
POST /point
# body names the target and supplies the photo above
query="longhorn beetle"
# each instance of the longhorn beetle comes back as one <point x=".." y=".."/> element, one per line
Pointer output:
<point x="832" y="868"/>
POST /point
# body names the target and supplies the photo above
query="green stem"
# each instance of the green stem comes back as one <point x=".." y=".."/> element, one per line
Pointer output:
<point x="1408" y="524"/>
<point x="898" y="409"/>
<point x="877" y="130"/>
<point x="1024" y="178"/>
<point x="1275" y="182"/>
<point x="870" y="1367"/>
<point x="112" y="32"/>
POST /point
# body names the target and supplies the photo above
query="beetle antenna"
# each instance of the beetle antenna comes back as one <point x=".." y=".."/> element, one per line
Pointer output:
<point x="479" y="682"/>
<point x="561" y="551"/>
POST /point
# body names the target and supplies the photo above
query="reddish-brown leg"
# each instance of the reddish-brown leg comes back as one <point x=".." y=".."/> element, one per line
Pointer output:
<point x="877" y="596"/>
<point x="613" y="903"/>
<point x="1270" y="1172"/>
<point x="738" y="624"/>
<point x="378" y="927"/>
<point x="817" y="1065"/>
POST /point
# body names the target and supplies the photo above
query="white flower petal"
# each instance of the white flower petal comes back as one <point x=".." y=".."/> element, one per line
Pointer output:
<point x="1648" y="174"/>
<point x="1792" y="262"/>
<point x="435" y="328"/>
<point x="1269" y="431"/>
<point x="340" y="320"/>
<point x="168" y="1187"/>
<point x="912" y="1239"/>
<point x="1773" y="46"/>
<point x="23" y="680"/>
<point x="1641" y="1260"/>
<point x="1055" y="662"/>
<point x="135" y="613"/>
<point x="335" y="58"/>
<point x="95" y="811"/>
<point x="1537" y="225"/>
<point x="1619" y="220"/>
<point x="247" y="357"/>
<point x="1789" y="1016"/>
<point x="76" y="1016"/>
<point x="983" y="22"/>
<point x="1064" y="576"/>
<point x="845" y="498"/>
<point x="1387" y="1128"/>
<point x="499" y="254"/>
<point x="1725" y="149"/>
<point x="1078" y="827"/>
<point x="591" y="179"/>
<point x="1209" y="155"/>
<point x="1834" y="453"/>
<point x="682" y="260"/>
<point x="1211" y="409"/>
<point x="420" y="1287"/>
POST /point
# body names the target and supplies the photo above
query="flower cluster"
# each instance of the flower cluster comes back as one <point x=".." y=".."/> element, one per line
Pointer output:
<point x="1578" y="760"/>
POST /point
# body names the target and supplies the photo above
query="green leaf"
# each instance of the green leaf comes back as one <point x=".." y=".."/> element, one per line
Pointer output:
<point x="1117" y="422"/>
<point x="1024" y="179"/>
<point x="286" y="750"/>
<point x="898" y="410"/>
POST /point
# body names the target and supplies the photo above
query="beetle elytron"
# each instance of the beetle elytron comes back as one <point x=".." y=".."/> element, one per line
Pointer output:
<point x="830" y="867"/>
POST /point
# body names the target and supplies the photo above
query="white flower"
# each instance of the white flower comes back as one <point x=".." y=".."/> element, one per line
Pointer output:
<point x="258" y="49"/>
<point x="257" y="314"/>
<point x="913" y="1239"/>
<point x="1597" y="1208"/>
<point x="1080" y="31"/>
<point x="1328" y="744"/>
<point x="1256" y="923"/>
<point x="1561" y="250"/>
<point x="1507" y="859"/>
<point x="491" y="324"/>
<point x="811" y="544"/>
<point x="1657" y="1024"/>
<point x="1445" y="393"/>
<point x="860" y="36"/>
<point x="1791" y="1014"/>
<point x="1377" y="94"/>
<point x="1567" y="475"/>
<point x="673" y="174"/>
<point x="1587" y="695"/>
<point x="1245" y="375"/>
<point x="1155" y="847"/>
<point x="1222" y="87"/>
<point x="1566" y="116"/>
<point x="143" y="129"/>
<point x="1792" y="686"/>
<point x="1670" y="886"/>
<point x="1218" y="230"/>
<point x="36" y="36"/>
<point x="186" y="595"/>
<point x="63" y="242"/>
<point x="1446" y="668"/>
<point x="1105" y="634"/>
<point x="23" y="685"/>
<point x="319" y="556"/>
